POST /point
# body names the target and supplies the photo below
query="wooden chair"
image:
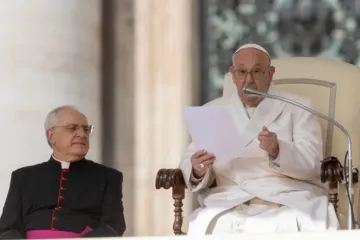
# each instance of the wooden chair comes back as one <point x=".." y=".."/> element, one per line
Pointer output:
<point x="334" y="88"/>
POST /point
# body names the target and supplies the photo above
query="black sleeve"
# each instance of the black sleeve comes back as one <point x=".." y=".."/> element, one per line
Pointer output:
<point x="112" y="219"/>
<point x="11" y="221"/>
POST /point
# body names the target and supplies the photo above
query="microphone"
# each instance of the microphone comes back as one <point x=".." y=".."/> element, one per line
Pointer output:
<point x="350" y="191"/>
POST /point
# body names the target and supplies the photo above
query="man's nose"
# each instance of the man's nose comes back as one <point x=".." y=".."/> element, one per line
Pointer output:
<point x="249" y="78"/>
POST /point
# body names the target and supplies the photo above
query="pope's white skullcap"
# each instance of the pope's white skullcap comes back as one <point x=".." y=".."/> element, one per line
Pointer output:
<point x="252" y="45"/>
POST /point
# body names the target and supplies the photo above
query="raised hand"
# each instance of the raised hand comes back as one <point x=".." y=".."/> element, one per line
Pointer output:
<point x="268" y="142"/>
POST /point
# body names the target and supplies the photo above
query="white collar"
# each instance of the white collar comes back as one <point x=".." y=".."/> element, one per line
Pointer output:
<point x="64" y="165"/>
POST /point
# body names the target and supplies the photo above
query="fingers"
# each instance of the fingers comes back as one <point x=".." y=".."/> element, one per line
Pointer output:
<point x="202" y="158"/>
<point x="265" y="146"/>
<point x="265" y="133"/>
<point x="263" y="138"/>
<point x="268" y="138"/>
<point x="208" y="162"/>
<point x="199" y="154"/>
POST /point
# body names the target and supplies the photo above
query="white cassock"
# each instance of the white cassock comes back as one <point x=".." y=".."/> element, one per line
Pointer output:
<point x="292" y="180"/>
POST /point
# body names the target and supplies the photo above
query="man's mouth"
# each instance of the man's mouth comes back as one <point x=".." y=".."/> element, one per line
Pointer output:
<point x="252" y="87"/>
<point x="83" y="144"/>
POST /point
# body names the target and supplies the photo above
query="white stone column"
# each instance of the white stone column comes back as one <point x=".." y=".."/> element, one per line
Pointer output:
<point x="49" y="56"/>
<point x="165" y="80"/>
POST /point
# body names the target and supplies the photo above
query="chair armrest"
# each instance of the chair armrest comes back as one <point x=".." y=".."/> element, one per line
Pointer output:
<point x="334" y="173"/>
<point x="173" y="178"/>
<point x="170" y="178"/>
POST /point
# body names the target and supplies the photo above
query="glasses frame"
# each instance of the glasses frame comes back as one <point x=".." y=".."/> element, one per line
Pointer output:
<point x="251" y="72"/>
<point x="77" y="127"/>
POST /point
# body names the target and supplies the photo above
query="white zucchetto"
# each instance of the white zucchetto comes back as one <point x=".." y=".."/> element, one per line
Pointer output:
<point x="252" y="45"/>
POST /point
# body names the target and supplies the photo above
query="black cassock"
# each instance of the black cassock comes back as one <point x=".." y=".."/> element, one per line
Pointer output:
<point x="45" y="197"/>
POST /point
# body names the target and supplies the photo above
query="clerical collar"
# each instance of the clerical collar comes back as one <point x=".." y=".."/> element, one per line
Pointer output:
<point x="67" y="165"/>
<point x="64" y="165"/>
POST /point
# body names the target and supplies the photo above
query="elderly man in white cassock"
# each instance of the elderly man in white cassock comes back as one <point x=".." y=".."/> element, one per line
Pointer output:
<point x="276" y="187"/>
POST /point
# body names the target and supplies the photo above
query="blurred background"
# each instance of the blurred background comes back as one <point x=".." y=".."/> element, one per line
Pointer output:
<point x="130" y="65"/>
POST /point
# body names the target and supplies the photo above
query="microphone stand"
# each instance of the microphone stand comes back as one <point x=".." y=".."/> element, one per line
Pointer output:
<point x="249" y="91"/>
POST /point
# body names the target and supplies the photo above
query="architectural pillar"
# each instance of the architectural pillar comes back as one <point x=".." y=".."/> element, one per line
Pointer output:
<point x="118" y="56"/>
<point x="165" y="81"/>
<point x="150" y="72"/>
<point x="50" y="56"/>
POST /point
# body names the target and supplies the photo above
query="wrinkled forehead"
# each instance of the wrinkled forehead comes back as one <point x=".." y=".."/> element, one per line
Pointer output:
<point x="70" y="116"/>
<point x="250" y="57"/>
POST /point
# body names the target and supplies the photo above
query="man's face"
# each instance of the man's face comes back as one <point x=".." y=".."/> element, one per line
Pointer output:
<point x="251" y="68"/>
<point x="70" y="135"/>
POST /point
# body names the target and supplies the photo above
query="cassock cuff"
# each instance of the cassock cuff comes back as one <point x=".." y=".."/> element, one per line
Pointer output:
<point x="275" y="162"/>
<point x="194" y="180"/>
<point x="202" y="184"/>
<point x="287" y="166"/>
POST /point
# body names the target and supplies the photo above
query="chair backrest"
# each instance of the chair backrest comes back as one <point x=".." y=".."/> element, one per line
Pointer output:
<point x="334" y="88"/>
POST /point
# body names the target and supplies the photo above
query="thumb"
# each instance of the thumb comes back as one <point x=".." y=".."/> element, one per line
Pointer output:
<point x="265" y="128"/>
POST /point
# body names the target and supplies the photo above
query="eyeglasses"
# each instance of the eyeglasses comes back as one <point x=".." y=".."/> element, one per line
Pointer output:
<point x="71" y="128"/>
<point x="255" y="74"/>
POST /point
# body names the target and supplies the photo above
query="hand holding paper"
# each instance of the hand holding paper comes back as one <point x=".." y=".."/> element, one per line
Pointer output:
<point x="212" y="128"/>
<point x="202" y="161"/>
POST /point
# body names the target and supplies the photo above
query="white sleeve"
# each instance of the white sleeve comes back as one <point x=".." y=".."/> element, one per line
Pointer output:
<point x="301" y="158"/>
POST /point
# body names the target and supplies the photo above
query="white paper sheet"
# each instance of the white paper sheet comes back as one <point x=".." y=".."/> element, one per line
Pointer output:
<point x="212" y="128"/>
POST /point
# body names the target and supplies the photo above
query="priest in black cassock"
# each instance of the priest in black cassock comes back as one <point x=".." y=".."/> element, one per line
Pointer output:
<point x="68" y="196"/>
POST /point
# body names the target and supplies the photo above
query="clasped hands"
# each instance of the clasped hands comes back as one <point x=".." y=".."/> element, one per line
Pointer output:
<point x="202" y="160"/>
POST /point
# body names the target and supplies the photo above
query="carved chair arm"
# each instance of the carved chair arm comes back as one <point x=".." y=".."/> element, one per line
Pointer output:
<point x="173" y="178"/>
<point x="334" y="173"/>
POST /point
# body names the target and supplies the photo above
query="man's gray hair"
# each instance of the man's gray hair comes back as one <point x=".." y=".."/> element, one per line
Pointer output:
<point x="50" y="120"/>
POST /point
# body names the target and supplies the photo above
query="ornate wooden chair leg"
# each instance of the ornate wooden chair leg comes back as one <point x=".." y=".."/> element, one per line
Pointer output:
<point x="173" y="178"/>
<point x="333" y="195"/>
<point x="178" y="196"/>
